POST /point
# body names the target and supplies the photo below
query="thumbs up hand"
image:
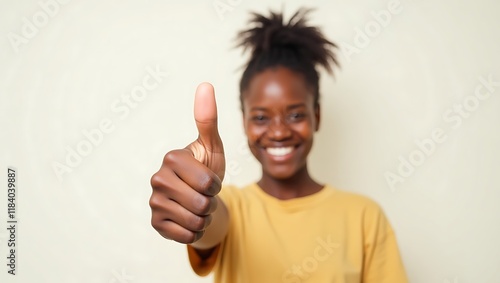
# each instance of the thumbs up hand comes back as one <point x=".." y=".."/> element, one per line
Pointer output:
<point x="208" y="148"/>
<point x="184" y="201"/>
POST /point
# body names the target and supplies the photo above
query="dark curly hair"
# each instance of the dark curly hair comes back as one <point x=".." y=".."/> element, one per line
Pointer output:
<point x="293" y="45"/>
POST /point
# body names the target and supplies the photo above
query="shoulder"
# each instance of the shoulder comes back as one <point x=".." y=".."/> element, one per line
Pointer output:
<point x="353" y="200"/>
<point x="362" y="207"/>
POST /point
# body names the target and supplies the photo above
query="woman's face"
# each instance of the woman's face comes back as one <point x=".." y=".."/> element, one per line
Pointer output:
<point x="280" y="119"/>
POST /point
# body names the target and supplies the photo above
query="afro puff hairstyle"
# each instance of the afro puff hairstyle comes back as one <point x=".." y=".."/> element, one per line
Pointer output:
<point x="294" y="45"/>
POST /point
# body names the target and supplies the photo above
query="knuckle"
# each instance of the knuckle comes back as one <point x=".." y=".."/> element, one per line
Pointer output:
<point x="156" y="180"/>
<point x="157" y="224"/>
<point x="187" y="237"/>
<point x="208" y="220"/>
<point x="170" y="230"/>
<point x="202" y="204"/>
<point x="155" y="202"/>
<point x="198" y="235"/>
<point x="195" y="236"/>
<point x="209" y="185"/>
<point x="197" y="223"/>
<point x="171" y="157"/>
<point x="161" y="182"/>
<point x="190" y="237"/>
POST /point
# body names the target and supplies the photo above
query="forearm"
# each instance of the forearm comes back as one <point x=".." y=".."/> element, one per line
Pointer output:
<point x="217" y="230"/>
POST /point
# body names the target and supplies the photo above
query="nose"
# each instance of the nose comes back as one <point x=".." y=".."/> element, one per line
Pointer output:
<point x="279" y="130"/>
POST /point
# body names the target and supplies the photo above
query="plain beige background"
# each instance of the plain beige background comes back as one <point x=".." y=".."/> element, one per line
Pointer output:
<point x="409" y="104"/>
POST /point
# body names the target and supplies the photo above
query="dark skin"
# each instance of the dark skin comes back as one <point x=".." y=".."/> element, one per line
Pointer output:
<point x="279" y="112"/>
<point x="280" y="119"/>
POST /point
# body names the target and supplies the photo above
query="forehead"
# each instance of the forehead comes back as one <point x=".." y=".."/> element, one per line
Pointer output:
<point x="277" y="86"/>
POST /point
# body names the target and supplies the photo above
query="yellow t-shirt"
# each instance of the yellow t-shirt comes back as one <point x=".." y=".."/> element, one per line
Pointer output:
<point x="330" y="236"/>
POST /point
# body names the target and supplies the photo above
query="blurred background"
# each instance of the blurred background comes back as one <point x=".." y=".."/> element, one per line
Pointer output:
<point x="94" y="93"/>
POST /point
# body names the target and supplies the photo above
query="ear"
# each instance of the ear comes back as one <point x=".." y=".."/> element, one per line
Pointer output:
<point x="243" y="120"/>
<point x="317" y="116"/>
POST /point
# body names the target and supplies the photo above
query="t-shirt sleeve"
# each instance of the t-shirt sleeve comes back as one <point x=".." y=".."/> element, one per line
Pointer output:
<point x="382" y="261"/>
<point x="203" y="267"/>
<point x="200" y="266"/>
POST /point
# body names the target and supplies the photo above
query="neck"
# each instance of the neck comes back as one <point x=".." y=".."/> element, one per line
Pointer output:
<point x="298" y="185"/>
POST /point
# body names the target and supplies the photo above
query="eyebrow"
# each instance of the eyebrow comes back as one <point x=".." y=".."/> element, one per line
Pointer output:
<point x="296" y="105"/>
<point x="293" y="106"/>
<point x="258" y="109"/>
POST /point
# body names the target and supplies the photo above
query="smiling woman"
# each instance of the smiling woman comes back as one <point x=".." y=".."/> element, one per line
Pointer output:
<point x="286" y="227"/>
<point x="280" y="119"/>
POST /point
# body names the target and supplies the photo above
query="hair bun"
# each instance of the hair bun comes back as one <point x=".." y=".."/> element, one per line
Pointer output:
<point x="268" y="34"/>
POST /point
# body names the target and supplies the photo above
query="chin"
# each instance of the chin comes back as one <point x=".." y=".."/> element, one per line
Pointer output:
<point x="281" y="174"/>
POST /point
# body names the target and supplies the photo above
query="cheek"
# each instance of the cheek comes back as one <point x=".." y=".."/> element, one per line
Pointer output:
<point x="253" y="132"/>
<point x="305" y="130"/>
<point x="254" y="135"/>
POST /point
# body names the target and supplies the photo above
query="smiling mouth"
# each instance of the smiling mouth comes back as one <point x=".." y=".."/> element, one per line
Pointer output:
<point x="279" y="151"/>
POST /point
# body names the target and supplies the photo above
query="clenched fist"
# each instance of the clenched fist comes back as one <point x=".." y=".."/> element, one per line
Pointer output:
<point x="184" y="203"/>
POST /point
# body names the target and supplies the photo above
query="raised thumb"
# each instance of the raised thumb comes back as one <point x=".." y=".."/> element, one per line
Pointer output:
<point x="205" y="115"/>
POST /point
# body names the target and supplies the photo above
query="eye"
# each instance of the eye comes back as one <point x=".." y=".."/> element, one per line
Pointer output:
<point x="296" y="117"/>
<point x="259" y="119"/>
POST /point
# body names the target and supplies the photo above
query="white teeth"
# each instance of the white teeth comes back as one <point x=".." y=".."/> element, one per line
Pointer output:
<point x="279" y="151"/>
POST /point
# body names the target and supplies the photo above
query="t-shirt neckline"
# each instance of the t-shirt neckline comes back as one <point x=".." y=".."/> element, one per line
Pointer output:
<point x="299" y="202"/>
